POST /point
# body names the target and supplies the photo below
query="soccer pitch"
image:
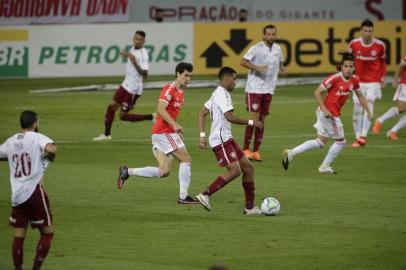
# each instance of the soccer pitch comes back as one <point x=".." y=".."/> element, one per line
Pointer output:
<point x="353" y="220"/>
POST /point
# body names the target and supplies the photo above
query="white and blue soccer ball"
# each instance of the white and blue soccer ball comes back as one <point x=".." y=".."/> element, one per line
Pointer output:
<point x="270" y="206"/>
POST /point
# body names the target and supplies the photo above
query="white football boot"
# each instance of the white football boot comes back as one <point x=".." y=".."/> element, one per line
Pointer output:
<point x="254" y="211"/>
<point x="204" y="200"/>
<point x="102" y="137"/>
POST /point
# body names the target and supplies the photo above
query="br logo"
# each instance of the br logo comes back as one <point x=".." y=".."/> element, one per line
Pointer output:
<point x="13" y="60"/>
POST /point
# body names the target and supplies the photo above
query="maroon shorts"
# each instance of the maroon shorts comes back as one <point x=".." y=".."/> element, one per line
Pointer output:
<point x="227" y="153"/>
<point x="35" y="210"/>
<point x="258" y="102"/>
<point x="124" y="98"/>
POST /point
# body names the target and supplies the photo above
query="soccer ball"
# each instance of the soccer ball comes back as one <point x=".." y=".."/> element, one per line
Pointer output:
<point x="270" y="206"/>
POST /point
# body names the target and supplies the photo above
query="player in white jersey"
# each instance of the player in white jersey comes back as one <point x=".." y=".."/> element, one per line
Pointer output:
<point x="226" y="150"/>
<point x="130" y="90"/>
<point x="28" y="154"/>
<point x="264" y="61"/>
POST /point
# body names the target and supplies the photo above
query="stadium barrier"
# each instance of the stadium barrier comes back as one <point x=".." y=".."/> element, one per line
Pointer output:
<point x="94" y="50"/>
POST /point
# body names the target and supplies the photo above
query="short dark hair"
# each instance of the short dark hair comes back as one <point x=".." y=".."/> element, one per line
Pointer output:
<point x="345" y="56"/>
<point x="269" y="26"/>
<point x="141" y="33"/>
<point x="28" y="118"/>
<point x="224" y="71"/>
<point x="182" y="66"/>
<point x="367" y="23"/>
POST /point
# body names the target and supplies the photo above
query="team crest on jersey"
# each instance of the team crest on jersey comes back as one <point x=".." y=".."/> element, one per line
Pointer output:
<point x="233" y="155"/>
<point x="351" y="87"/>
<point x="374" y="52"/>
<point x="254" y="106"/>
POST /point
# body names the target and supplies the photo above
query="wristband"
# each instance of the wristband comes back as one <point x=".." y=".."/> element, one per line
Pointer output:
<point x="250" y="122"/>
<point x="202" y="134"/>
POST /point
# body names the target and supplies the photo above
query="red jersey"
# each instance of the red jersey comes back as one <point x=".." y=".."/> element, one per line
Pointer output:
<point x="338" y="91"/>
<point x="403" y="71"/>
<point x="174" y="98"/>
<point x="370" y="60"/>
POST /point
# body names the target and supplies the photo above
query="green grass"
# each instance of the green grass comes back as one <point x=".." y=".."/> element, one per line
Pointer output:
<point x="353" y="220"/>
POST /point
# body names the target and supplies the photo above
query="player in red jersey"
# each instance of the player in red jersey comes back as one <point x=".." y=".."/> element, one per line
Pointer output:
<point x="400" y="99"/>
<point x="29" y="154"/>
<point x="338" y="86"/>
<point x="167" y="138"/>
<point x="370" y="67"/>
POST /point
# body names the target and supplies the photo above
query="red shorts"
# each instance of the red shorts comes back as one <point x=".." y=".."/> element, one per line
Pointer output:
<point x="124" y="98"/>
<point x="227" y="153"/>
<point x="258" y="102"/>
<point x="35" y="210"/>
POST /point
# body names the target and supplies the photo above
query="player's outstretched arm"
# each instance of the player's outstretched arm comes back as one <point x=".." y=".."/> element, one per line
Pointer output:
<point x="202" y="127"/>
<point x="239" y="121"/>
<point x="364" y="104"/>
<point x="50" y="151"/>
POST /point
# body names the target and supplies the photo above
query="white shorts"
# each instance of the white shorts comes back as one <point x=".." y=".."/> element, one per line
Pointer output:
<point x="371" y="92"/>
<point x="400" y="94"/>
<point x="329" y="127"/>
<point x="166" y="143"/>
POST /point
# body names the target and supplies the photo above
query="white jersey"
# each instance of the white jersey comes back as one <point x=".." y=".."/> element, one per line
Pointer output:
<point x="261" y="55"/>
<point x="219" y="103"/>
<point x="133" y="80"/>
<point x="24" y="152"/>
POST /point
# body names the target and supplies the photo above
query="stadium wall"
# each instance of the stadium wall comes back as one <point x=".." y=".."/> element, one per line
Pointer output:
<point x="93" y="50"/>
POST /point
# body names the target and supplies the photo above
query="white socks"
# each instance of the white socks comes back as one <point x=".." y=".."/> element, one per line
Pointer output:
<point x="306" y="146"/>
<point x="154" y="172"/>
<point x="145" y="172"/>
<point x="357" y="119"/>
<point x="400" y="124"/>
<point x="184" y="179"/>
<point x="392" y="112"/>
<point x="332" y="153"/>
<point x="360" y="120"/>
<point x="366" y="124"/>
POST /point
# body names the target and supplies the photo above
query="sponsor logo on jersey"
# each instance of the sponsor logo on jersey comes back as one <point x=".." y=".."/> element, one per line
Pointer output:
<point x="342" y="93"/>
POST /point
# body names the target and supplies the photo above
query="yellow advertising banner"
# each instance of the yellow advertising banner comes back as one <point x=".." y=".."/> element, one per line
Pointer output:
<point x="308" y="47"/>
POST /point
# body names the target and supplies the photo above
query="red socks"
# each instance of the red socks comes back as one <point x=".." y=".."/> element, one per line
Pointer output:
<point x="43" y="247"/>
<point x="18" y="252"/>
<point x="108" y="121"/>
<point x="259" y="134"/>
<point x="249" y="189"/>
<point x="247" y="137"/>
<point x="218" y="184"/>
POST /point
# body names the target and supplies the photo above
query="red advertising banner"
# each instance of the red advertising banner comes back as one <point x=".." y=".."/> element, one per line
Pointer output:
<point x="23" y="12"/>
